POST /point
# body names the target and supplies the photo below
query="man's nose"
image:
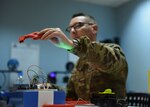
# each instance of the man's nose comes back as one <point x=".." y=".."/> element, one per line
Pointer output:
<point x="72" y="30"/>
<point x="73" y="33"/>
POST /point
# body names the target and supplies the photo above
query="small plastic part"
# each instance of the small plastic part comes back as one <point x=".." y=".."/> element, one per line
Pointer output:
<point x="34" y="36"/>
<point x="107" y="91"/>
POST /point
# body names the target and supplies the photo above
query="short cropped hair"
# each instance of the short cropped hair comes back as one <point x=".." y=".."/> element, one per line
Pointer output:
<point x="86" y="15"/>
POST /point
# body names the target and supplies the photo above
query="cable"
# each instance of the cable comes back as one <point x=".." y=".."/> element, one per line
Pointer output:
<point x="77" y="102"/>
<point x="42" y="73"/>
<point x="81" y="100"/>
<point x="37" y="76"/>
<point x="29" y="76"/>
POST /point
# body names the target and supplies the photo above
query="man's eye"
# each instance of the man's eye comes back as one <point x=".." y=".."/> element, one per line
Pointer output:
<point x="78" y="25"/>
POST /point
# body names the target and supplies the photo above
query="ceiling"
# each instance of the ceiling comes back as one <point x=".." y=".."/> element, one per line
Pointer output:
<point x="111" y="3"/>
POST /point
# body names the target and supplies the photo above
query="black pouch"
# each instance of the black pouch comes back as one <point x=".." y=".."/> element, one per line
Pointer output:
<point x="104" y="100"/>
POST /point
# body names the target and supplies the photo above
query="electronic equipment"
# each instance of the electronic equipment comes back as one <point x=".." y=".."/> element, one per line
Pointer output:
<point x="59" y="78"/>
<point x="13" y="64"/>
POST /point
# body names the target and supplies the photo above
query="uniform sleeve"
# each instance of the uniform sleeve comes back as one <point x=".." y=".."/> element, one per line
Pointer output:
<point x="71" y="90"/>
<point x="106" y="57"/>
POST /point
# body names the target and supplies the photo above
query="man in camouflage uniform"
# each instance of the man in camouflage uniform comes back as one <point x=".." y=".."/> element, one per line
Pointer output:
<point x="100" y="66"/>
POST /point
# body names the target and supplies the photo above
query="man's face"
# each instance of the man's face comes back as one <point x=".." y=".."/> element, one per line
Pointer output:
<point x="81" y="26"/>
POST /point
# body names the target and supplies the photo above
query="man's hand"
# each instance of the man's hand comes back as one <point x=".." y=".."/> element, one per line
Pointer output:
<point x="57" y="37"/>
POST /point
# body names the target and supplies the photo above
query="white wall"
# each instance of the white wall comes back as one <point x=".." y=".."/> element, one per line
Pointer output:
<point x="134" y="27"/>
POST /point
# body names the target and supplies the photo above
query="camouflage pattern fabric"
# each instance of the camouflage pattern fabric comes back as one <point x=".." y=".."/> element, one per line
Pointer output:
<point x="100" y="66"/>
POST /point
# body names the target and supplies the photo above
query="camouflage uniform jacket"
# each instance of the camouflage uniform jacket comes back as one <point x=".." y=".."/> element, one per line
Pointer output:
<point x="100" y="66"/>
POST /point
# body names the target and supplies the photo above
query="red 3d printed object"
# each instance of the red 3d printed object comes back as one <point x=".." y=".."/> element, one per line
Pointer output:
<point x="34" y="36"/>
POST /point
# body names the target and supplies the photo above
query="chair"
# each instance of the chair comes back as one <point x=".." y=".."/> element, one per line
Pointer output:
<point x="138" y="99"/>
